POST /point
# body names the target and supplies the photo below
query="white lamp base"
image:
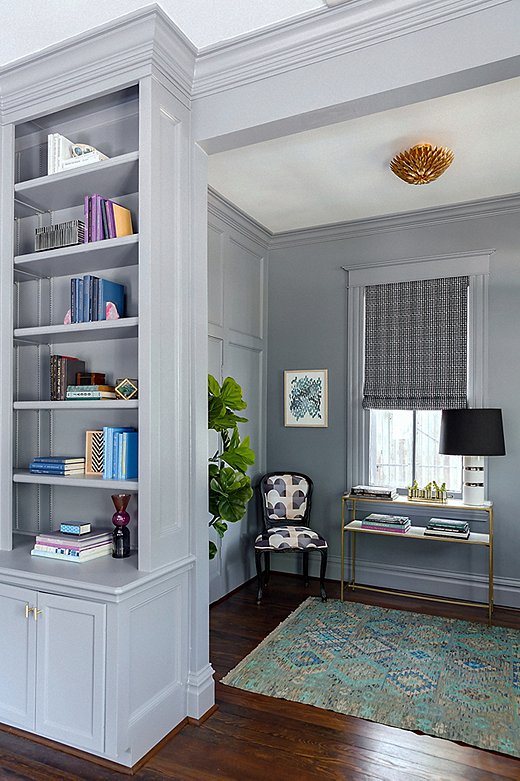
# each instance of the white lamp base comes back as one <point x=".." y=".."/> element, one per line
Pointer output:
<point x="473" y="480"/>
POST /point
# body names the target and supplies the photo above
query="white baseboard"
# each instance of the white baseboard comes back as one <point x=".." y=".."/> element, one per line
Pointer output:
<point x="402" y="578"/>
<point x="200" y="692"/>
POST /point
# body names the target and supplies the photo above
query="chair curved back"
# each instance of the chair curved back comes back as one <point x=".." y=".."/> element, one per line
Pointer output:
<point x="285" y="499"/>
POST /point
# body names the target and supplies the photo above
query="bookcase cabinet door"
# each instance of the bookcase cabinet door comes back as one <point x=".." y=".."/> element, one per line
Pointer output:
<point x="70" y="697"/>
<point x="17" y="652"/>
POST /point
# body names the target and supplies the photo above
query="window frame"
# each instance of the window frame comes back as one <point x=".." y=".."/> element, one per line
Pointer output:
<point x="475" y="265"/>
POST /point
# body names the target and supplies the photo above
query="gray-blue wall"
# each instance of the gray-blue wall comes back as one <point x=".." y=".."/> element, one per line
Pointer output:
<point x="307" y="330"/>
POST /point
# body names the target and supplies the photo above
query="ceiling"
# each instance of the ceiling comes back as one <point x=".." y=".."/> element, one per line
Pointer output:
<point x="332" y="174"/>
<point x="204" y="22"/>
<point x="340" y="172"/>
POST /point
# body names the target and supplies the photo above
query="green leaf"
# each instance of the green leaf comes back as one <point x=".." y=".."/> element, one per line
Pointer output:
<point x="212" y="550"/>
<point x="231" y="394"/>
<point x="220" y="527"/>
<point x="239" y="457"/>
<point x="213" y="386"/>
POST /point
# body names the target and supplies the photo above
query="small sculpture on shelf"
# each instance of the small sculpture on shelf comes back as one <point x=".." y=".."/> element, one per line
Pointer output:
<point x="121" y="519"/>
<point x="432" y="492"/>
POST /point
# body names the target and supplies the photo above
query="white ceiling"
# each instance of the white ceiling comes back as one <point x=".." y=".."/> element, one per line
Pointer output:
<point x="204" y="22"/>
<point x="340" y="172"/>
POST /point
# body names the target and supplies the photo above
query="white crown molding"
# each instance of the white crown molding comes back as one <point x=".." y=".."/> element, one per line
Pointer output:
<point x="119" y="52"/>
<point x="486" y="207"/>
<point x="320" y="35"/>
<point x="231" y="215"/>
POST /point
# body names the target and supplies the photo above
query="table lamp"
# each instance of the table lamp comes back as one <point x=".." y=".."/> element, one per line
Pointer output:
<point x="472" y="433"/>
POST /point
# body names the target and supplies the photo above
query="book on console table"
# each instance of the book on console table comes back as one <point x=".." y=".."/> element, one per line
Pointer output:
<point x="374" y="491"/>
<point x="444" y="527"/>
<point x="382" y="518"/>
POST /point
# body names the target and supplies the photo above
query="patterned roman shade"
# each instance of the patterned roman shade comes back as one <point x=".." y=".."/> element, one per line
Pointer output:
<point x="416" y="344"/>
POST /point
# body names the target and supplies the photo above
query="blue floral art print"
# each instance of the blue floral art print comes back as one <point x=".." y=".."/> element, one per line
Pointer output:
<point x="305" y="397"/>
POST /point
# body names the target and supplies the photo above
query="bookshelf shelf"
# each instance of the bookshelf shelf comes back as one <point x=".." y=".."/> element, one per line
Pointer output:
<point x="80" y="259"/>
<point x="76" y="481"/>
<point x="125" y="328"/>
<point x="112" y="178"/>
<point x="100" y="404"/>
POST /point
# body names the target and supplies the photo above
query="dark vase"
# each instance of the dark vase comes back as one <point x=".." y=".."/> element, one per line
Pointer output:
<point x="121" y="519"/>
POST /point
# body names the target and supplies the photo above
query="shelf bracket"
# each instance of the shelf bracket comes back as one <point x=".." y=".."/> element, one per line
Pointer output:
<point x="31" y="207"/>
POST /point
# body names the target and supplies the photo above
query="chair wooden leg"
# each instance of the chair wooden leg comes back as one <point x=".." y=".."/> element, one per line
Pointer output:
<point x="323" y="569"/>
<point x="258" y="560"/>
<point x="306" y="567"/>
<point x="267" y="568"/>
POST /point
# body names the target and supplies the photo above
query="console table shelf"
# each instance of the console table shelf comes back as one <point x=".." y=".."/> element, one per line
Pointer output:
<point x="352" y="526"/>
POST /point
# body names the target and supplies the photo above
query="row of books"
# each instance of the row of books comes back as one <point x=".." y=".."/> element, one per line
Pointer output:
<point x="64" y="371"/>
<point x="74" y="548"/>
<point x="57" y="465"/>
<point x="120" y="453"/>
<point x="63" y="154"/>
<point x="105" y="219"/>
<point x="374" y="491"/>
<point x="443" y="527"/>
<point x="400" y="524"/>
<point x="92" y="298"/>
<point x="388" y="523"/>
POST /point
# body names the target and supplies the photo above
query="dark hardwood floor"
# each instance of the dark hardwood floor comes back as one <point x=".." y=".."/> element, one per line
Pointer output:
<point x="254" y="737"/>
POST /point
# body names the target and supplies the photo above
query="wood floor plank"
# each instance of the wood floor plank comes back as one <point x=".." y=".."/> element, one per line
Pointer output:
<point x="256" y="738"/>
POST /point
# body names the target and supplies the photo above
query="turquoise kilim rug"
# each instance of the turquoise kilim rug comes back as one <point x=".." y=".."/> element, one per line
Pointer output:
<point x="453" y="679"/>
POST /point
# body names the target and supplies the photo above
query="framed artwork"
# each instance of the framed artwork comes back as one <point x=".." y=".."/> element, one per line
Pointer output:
<point x="305" y="398"/>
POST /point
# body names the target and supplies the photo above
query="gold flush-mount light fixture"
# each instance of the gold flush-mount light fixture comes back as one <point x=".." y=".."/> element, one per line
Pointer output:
<point x="422" y="163"/>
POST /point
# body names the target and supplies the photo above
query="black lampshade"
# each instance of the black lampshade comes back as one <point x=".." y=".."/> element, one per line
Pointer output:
<point x="472" y="432"/>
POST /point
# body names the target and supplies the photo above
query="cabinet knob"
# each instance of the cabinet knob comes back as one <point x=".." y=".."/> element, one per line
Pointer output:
<point x="28" y="609"/>
<point x="36" y="613"/>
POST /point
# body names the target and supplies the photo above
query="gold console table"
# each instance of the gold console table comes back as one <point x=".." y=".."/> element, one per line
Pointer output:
<point x="352" y="526"/>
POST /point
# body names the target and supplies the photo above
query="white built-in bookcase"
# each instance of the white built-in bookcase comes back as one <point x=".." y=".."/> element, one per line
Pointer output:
<point x="137" y="627"/>
<point x="42" y="297"/>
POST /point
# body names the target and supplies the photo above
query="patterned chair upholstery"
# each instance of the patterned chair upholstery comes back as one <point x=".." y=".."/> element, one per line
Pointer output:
<point x="285" y="507"/>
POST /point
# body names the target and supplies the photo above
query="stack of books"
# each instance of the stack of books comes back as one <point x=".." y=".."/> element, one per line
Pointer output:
<point x="63" y="154"/>
<point x="63" y="371"/>
<point x="90" y="392"/>
<point x="92" y="298"/>
<point x="442" y="527"/>
<point x="57" y="465"/>
<point x="68" y="547"/>
<point x="387" y="523"/>
<point x="120" y="453"/>
<point x="374" y="492"/>
<point x="105" y="219"/>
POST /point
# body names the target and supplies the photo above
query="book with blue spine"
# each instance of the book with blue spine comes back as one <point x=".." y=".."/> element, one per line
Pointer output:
<point x="113" y="292"/>
<point x="59" y="459"/>
<point x="108" y="447"/>
<point x="128" y="455"/>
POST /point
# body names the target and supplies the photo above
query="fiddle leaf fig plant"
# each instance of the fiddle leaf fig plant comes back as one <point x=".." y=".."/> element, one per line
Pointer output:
<point x="229" y="485"/>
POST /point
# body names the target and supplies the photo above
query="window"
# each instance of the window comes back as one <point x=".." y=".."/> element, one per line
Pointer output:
<point x="371" y="457"/>
<point x="403" y="447"/>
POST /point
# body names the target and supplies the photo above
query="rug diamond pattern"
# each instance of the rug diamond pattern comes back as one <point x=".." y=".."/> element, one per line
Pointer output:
<point x="449" y="678"/>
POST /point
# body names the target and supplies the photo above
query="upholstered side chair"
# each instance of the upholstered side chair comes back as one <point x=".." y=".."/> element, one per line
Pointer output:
<point x="284" y="502"/>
